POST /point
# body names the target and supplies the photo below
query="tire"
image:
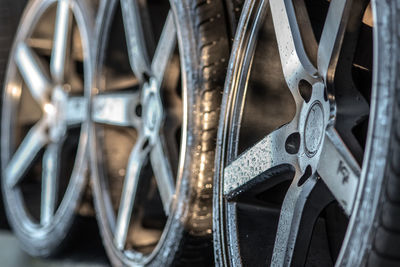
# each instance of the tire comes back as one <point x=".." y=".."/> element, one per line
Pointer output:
<point x="256" y="217"/>
<point x="9" y="17"/>
<point x="44" y="139"/>
<point x="203" y="42"/>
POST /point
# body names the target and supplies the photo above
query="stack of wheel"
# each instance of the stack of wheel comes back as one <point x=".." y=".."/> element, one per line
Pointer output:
<point x="205" y="132"/>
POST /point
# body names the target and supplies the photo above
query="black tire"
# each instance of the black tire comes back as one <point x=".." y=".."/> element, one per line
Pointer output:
<point x="206" y="62"/>
<point x="203" y="39"/>
<point x="10" y="13"/>
<point x="372" y="236"/>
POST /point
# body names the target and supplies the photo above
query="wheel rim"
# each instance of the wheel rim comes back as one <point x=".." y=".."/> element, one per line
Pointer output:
<point x="62" y="109"/>
<point x="139" y="106"/>
<point x="296" y="152"/>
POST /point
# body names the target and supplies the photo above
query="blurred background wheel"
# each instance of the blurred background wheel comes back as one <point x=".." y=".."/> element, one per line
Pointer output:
<point x="307" y="157"/>
<point x="44" y="133"/>
<point x="159" y="74"/>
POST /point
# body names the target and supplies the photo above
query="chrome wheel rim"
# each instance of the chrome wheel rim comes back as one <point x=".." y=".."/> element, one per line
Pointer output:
<point x="62" y="107"/>
<point x="295" y="151"/>
<point x="136" y="105"/>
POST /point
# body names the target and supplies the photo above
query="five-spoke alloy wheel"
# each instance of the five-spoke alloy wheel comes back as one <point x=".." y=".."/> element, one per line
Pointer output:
<point x="303" y="135"/>
<point x="44" y="134"/>
<point x="153" y="128"/>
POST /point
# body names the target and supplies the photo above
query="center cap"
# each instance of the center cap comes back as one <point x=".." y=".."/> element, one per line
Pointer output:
<point x="152" y="112"/>
<point x="314" y="129"/>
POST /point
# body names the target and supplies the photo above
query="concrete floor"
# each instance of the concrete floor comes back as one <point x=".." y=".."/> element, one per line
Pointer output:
<point x="86" y="251"/>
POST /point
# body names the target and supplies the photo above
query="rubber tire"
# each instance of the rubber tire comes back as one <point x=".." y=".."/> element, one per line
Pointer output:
<point x="206" y="52"/>
<point x="204" y="49"/>
<point x="10" y="13"/>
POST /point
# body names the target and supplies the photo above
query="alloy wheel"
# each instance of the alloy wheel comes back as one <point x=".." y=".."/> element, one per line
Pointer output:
<point x="43" y="121"/>
<point x="140" y="107"/>
<point x="294" y="74"/>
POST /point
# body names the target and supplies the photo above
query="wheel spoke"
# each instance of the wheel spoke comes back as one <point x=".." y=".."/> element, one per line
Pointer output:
<point x="163" y="173"/>
<point x="135" y="163"/>
<point x="307" y="34"/>
<point x="332" y="35"/>
<point x="33" y="73"/>
<point x="317" y="201"/>
<point x="339" y="170"/>
<point x="295" y="62"/>
<point x="138" y="56"/>
<point x="289" y="221"/>
<point x="164" y="49"/>
<point x="76" y="110"/>
<point x="23" y="158"/>
<point x="117" y="109"/>
<point x="250" y="167"/>
<point x="62" y="33"/>
<point x="49" y="182"/>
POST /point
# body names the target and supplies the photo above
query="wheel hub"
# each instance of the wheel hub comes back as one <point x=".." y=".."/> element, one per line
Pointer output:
<point x="313" y="123"/>
<point x="153" y="113"/>
<point x="152" y="107"/>
<point x="314" y="129"/>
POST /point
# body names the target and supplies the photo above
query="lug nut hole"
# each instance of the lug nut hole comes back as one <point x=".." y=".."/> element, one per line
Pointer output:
<point x="145" y="144"/>
<point x="292" y="143"/>
<point x="325" y="95"/>
<point x="138" y="110"/>
<point x="146" y="77"/>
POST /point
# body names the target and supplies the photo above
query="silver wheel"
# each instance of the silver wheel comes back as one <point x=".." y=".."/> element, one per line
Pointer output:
<point x="139" y="106"/>
<point x="43" y="122"/>
<point x="292" y="197"/>
<point x="158" y="96"/>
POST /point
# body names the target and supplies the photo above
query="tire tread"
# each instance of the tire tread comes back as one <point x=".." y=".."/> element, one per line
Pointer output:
<point x="212" y="36"/>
